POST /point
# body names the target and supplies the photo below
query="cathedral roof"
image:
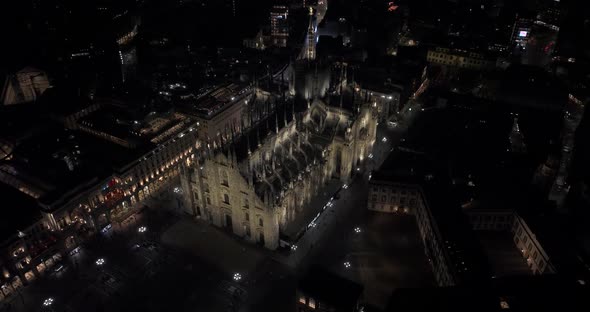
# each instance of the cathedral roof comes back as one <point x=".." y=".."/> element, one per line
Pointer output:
<point x="260" y="131"/>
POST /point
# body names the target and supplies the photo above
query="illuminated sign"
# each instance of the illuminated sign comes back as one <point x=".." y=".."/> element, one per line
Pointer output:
<point x="523" y="33"/>
<point x="391" y="6"/>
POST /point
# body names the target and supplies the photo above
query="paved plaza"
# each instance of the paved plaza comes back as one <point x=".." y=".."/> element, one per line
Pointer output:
<point x="380" y="251"/>
<point x="212" y="245"/>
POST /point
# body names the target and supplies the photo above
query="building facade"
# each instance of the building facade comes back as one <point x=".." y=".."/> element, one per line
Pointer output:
<point x="279" y="25"/>
<point x="460" y="58"/>
<point x="97" y="205"/>
<point x="446" y="244"/>
<point x="24" y="86"/>
<point x="529" y="246"/>
<point x="263" y="181"/>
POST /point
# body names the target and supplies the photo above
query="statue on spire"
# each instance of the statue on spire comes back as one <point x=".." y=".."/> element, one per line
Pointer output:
<point x="310" y="51"/>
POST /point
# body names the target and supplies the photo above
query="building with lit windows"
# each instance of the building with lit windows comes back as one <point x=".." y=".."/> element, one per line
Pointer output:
<point x="70" y="182"/>
<point x="460" y="58"/>
<point x="531" y="249"/>
<point x="223" y="111"/>
<point x="26" y="249"/>
<point x="323" y="291"/>
<point x="408" y="185"/>
<point x="521" y="31"/>
<point x="279" y="25"/>
<point x="257" y="42"/>
<point x="385" y="98"/>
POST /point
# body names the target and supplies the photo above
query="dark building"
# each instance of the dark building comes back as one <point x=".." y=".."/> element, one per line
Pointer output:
<point x="321" y="291"/>
<point x="546" y="293"/>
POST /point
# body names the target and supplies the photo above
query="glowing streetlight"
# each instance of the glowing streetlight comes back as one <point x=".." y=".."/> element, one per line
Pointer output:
<point x="142" y="229"/>
<point x="100" y="261"/>
<point x="384" y="139"/>
<point x="347" y="264"/>
<point x="237" y="277"/>
<point x="47" y="302"/>
<point x="357" y="230"/>
<point x="293" y="247"/>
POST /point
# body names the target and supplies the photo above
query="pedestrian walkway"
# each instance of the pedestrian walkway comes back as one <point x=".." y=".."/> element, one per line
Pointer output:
<point x="312" y="209"/>
<point x="213" y="246"/>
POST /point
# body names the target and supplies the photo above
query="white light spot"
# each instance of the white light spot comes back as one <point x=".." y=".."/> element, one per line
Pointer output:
<point x="47" y="302"/>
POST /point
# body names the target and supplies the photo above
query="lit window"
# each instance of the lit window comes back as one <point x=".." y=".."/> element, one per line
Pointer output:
<point x="311" y="303"/>
<point x="302" y="299"/>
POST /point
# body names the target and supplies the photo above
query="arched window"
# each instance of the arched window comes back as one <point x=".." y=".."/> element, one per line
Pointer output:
<point x="224" y="178"/>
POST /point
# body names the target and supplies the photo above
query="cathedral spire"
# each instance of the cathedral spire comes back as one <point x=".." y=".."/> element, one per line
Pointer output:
<point x="310" y="51"/>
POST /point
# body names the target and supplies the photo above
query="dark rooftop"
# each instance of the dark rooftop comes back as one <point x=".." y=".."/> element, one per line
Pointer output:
<point x="325" y="286"/>
<point x="59" y="161"/>
<point x="19" y="212"/>
<point x="216" y="100"/>
<point x="528" y="293"/>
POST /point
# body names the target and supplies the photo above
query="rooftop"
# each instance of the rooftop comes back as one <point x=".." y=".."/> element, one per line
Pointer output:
<point x="215" y="101"/>
<point x="325" y="286"/>
<point x="19" y="212"/>
<point x="528" y="293"/>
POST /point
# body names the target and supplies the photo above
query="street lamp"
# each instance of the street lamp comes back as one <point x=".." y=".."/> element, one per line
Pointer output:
<point x="357" y="230"/>
<point x="293" y="247"/>
<point x="47" y="302"/>
<point x="347" y="264"/>
<point x="237" y="277"/>
<point x="142" y="229"/>
<point x="384" y="139"/>
<point x="100" y="261"/>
